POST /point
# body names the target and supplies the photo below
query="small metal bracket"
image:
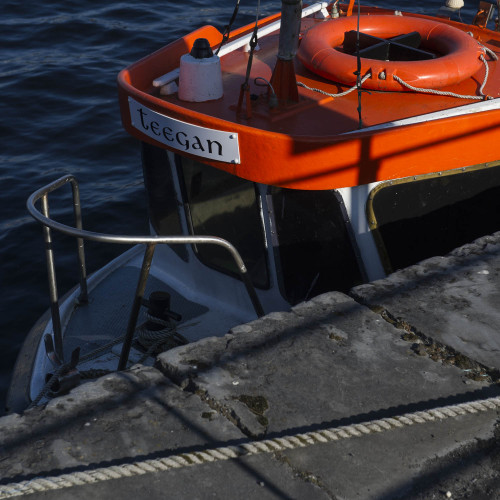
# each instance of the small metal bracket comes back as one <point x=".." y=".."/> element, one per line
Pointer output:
<point x="51" y="352"/>
<point x="485" y="13"/>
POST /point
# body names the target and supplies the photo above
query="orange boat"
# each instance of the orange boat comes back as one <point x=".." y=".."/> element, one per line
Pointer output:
<point x="320" y="148"/>
<point x="303" y="122"/>
<point x="315" y="142"/>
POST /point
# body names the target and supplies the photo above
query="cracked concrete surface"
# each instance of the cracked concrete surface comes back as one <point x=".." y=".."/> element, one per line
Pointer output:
<point x="335" y="360"/>
<point x="330" y="359"/>
<point x="452" y="299"/>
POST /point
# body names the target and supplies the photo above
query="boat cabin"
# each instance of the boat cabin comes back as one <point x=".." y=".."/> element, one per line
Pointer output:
<point x="321" y="187"/>
<point x="306" y="242"/>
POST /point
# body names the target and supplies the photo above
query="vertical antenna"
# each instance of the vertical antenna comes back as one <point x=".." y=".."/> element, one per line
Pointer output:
<point x="358" y="71"/>
<point x="245" y="87"/>
<point x="227" y="28"/>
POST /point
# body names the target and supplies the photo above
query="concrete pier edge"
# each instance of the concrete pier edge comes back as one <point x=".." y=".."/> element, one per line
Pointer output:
<point x="424" y="338"/>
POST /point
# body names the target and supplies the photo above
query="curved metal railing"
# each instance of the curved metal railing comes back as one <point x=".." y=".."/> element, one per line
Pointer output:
<point x="80" y="234"/>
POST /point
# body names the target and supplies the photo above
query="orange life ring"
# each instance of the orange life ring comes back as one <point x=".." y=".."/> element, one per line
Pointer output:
<point x="459" y="53"/>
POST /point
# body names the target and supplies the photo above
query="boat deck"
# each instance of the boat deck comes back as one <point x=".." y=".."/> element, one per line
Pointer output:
<point x="309" y="116"/>
<point x="316" y="114"/>
<point x="105" y="317"/>
<point x="317" y="142"/>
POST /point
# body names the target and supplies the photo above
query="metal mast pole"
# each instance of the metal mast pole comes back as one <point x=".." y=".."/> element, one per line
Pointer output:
<point x="283" y="79"/>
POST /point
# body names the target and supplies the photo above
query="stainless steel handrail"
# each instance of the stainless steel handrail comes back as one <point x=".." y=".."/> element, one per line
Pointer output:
<point x="80" y="234"/>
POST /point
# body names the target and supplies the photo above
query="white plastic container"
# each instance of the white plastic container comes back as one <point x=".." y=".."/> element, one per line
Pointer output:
<point x="200" y="79"/>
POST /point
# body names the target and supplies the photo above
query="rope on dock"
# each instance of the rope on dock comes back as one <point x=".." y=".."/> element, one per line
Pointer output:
<point x="93" y="476"/>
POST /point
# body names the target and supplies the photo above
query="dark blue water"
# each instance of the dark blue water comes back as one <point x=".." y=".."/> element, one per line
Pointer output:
<point x="59" y="114"/>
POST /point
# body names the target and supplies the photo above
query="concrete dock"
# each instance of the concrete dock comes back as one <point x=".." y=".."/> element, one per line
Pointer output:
<point x="388" y="392"/>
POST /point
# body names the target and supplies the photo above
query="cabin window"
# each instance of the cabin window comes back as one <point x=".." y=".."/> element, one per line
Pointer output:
<point x="416" y="218"/>
<point x="316" y="253"/>
<point x="221" y="204"/>
<point x="163" y="204"/>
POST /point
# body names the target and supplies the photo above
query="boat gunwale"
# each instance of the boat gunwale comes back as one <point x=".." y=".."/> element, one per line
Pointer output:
<point x="293" y="150"/>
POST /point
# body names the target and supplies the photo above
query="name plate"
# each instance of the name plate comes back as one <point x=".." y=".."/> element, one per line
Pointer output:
<point x="200" y="141"/>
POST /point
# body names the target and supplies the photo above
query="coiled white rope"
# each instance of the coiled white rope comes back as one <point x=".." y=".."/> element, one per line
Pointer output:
<point x="93" y="476"/>
<point x="155" y="341"/>
<point x="480" y="97"/>
<point x="487" y="50"/>
<point x="340" y="94"/>
<point x="167" y="333"/>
